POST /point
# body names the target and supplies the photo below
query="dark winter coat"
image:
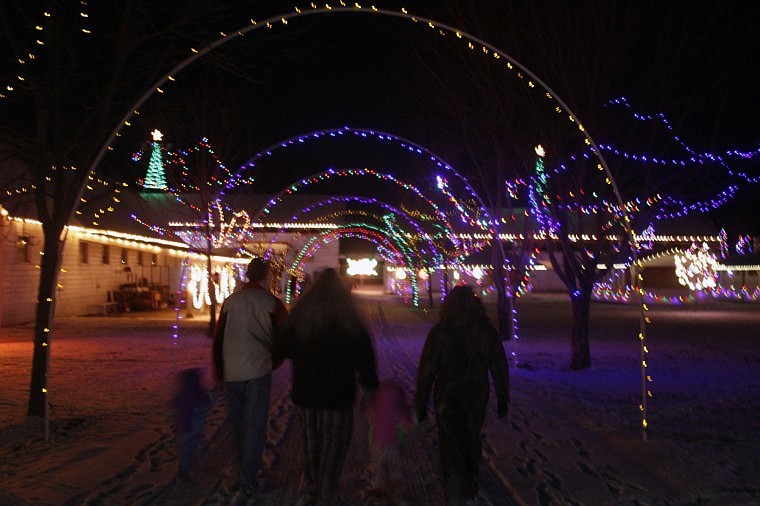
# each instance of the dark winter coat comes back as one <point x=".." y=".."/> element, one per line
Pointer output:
<point x="456" y="363"/>
<point x="325" y="368"/>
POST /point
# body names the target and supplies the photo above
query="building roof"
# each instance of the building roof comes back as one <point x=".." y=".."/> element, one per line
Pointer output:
<point x="153" y="215"/>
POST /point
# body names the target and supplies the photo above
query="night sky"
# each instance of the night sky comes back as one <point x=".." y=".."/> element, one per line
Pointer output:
<point x="692" y="61"/>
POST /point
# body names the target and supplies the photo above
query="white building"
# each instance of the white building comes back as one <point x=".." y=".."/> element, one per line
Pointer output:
<point x="123" y="265"/>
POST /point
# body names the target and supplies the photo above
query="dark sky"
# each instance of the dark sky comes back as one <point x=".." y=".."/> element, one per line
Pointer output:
<point x="692" y="61"/>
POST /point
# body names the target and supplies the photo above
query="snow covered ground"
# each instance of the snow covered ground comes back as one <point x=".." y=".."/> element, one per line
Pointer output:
<point x="571" y="437"/>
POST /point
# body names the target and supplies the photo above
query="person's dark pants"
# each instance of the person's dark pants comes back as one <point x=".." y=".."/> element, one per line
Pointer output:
<point x="190" y="440"/>
<point x="327" y="436"/>
<point x="460" y="450"/>
<point x="248" y="408"/>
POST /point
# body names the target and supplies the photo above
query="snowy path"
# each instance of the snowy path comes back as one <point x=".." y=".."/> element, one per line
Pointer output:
<point x="571" y="437"/>
<point x="398" y="342"/>
<point x="136" y="464"/>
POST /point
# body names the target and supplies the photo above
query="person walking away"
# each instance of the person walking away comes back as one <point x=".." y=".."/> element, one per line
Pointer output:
<point x="390" y="422"/>
<point x="459" y="352"/>
<point x="191" y="403"/>
<point x="329" y="347"/>
<point x="243" y="360"/>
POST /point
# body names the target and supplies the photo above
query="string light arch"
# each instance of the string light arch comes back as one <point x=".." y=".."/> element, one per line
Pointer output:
<point x="362" y="231"/>
<point x="436" y="254"/>
<point x="512" y="66"/>
<point x="361" y="133"/>
<point x="442" y="222"/>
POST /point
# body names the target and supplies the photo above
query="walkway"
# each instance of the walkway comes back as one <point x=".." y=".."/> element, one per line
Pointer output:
<point x="399" y="335"/>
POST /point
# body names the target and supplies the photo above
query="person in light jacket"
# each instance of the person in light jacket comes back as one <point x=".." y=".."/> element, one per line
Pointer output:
<point x="243" y="360"/>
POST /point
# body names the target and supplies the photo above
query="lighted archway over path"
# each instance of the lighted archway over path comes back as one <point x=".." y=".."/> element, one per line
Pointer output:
<point x="422" y="252"/>
<point x="481" y="219"/>
<point x="435" y="253"/>
<point x="362" y="231"/>
<point x="519" y="71"/>
<point x="330" y="174"/>
<point x="365" y="133"/>
<point x="442" y="222"/>
<point x="513" y="66"/>
<point x="427" y="255"/>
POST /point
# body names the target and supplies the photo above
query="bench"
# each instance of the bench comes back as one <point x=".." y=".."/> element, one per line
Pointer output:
<point x="107" y="308"/>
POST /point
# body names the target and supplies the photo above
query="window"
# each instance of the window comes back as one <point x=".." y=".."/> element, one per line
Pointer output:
<point x="154" y="259"/>
<point x="23" y="249"/>
<point x="105" y="254"/>
<point x="84" y="253"/>
<point x="124" y="255"/>
<point x="140" y="258"/>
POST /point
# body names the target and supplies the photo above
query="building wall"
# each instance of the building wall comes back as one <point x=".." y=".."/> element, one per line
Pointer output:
<point x="92" y="270"/>
<point x="740" y="279"/>
<point x="660" y="277"/>
<point x="97" y="270"/>
<point x="95" y="267"/>
<point x="18" y="271"/>
<point x="326" y="256"/>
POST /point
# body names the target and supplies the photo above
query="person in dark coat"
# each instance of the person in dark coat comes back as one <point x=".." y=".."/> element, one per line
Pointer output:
<point x="459" y="352"/>
<point x="330" y="348"/>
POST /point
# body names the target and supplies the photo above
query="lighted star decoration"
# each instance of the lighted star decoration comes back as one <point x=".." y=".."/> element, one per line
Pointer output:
<point x="157" y="135"/>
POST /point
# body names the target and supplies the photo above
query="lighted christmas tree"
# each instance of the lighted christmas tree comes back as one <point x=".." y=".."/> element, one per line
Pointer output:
<point x="155" y="178"/>
<point x="744" y="245"/>
<point x="539" y="200"/>
<point x="723" y="239"/>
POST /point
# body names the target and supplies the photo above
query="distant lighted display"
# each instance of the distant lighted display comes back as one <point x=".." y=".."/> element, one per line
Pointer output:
<point x="477" y="273"/>
<point x="696" y="268"/>
<point x="197" y="284"/>
<point x="361" y="266"/>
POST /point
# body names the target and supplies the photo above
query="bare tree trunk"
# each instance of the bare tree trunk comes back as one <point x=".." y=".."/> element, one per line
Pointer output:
<point x="579" y="342"/>
<point x="505" y="306"/>
<point x="430" y="289"/>
<point x="503" y="301"/>
<point x="46" y="296"/>
<point x="212" y="296"/>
